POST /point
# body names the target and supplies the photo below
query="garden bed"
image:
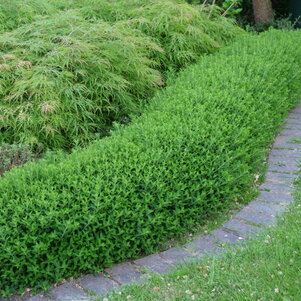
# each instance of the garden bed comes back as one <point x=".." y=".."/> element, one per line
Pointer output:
<point x="197" y="148"/>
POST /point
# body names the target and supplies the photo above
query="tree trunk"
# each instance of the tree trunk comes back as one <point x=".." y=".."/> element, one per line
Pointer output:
<point x="263" y="11"/>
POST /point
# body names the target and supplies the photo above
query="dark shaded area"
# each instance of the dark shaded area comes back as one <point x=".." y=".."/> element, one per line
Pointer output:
<point x="282" y="8"/>
<point x="16" y="154"/>
<point x="295" y="9"/>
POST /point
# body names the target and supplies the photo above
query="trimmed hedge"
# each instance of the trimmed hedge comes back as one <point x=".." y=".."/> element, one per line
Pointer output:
<point x="195" y="151"/>
<point x="64" y="79"/>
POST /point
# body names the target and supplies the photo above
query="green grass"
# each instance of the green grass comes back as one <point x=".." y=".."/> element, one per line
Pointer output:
<point x="295" y="140"/>
<point x="267" y="268"/>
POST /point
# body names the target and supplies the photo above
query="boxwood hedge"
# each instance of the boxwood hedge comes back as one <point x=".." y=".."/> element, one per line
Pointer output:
<point x="195" y="150"/>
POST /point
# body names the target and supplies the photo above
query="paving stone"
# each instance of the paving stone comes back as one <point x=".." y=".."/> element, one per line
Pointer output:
<point x="124" y="273"/>
<point x="68" y="292"/>
<point x="202" y="245"/>
<point x="155" y="263"/>
<point x="241" y="228"/>
<point x="276" y="177"/>
<point x="100" y="285"/>
<point x="293" y="120"/>
<point x="293" y="116"/>
<point x="38" y="298"/>
<point x="15" y="297"/>
<point x="277" y="187"/>
<point x="178" y="256"/>
<point x="224" y="236"/>
<point x="285" y="153"/>
<point x="291" y="132"/>
<point x="287" y="145"/>
<point x="285" y="142"/>
<point x="292" y="125"/>
<point x="296" y="110"/>
<point x="281" y="161"/>
<point x="255" y="217"/>
<point x="275" y="197"/>
<point x="266" y="208"/>
<point x="284" y="169"/>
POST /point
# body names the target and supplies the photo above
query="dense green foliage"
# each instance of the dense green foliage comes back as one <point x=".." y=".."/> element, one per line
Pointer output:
<point x="66" y="77"/>
<point x="14" y="13"/>
<point x="182" y="30"/>
<point x="195" y="150"/>
<point x="267" y="268"/>
<point x="62" y="78"/>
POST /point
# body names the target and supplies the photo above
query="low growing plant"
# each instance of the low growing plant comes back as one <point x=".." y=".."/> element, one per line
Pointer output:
<point x="196" y="149"/>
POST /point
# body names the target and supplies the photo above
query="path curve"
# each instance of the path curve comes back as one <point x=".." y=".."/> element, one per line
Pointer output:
<point x="275" y="195"/>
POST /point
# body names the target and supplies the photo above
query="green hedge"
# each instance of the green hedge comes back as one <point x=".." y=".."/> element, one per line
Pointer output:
<point x="196" y="150"/>
<point x="65" y="79"/>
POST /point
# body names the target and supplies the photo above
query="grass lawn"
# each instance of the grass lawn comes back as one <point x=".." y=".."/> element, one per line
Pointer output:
<point x="268" y="268"/>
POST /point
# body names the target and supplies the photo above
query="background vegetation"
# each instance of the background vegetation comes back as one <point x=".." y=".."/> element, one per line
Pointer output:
<point x="65" y="77"/>
<point x="196" y="149"/>
<point x="63" y="84"/>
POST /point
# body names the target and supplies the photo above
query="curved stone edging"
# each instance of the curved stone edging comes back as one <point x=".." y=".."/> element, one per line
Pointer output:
<point x="275" y="195"/>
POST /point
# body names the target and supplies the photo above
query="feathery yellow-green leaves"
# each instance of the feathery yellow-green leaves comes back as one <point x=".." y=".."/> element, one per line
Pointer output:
<point x="65" y="77"/>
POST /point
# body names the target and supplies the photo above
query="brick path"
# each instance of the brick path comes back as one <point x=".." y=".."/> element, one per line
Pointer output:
<point x="275" y="195"/>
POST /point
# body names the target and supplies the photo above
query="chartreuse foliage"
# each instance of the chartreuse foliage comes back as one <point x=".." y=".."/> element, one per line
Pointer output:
<point x="65" y="78"/>
<point x="183" y="31"/>
<point x="14" y="13"/>
<point x="195" y="150"/>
